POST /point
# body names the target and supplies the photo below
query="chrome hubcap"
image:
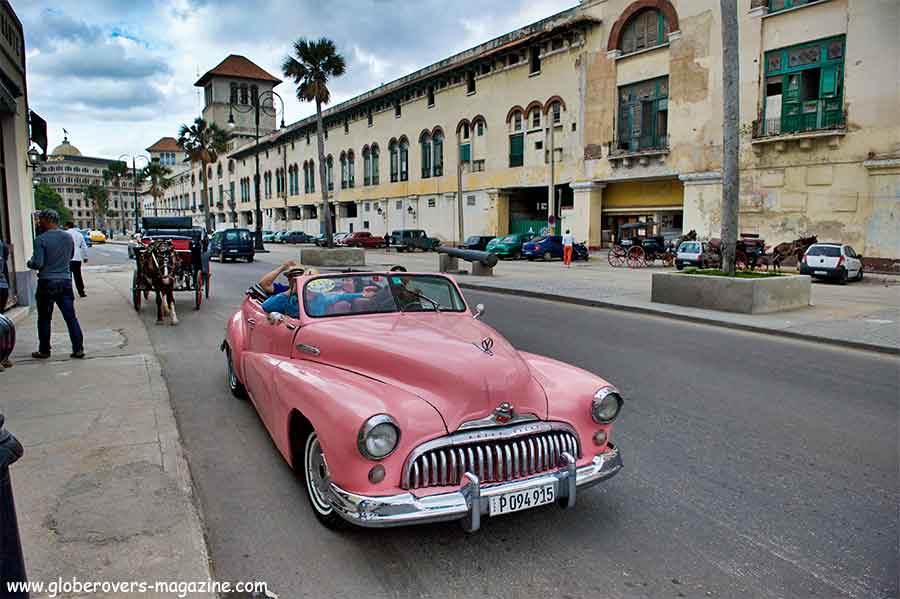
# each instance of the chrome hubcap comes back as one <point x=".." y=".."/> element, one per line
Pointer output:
<point x="316" y="475"/>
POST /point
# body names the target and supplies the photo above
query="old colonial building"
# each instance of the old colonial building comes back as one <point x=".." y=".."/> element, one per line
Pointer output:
<point x="610" y="112"/>
<point x="19" y="128"/>
<point x="69" y="173"/>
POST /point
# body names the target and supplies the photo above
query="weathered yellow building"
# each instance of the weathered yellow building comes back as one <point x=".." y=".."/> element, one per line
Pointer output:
<point x="607" y="113"/>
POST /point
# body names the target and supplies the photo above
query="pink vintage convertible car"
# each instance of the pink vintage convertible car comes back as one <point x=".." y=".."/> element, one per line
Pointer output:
<point x="398" y="406"/>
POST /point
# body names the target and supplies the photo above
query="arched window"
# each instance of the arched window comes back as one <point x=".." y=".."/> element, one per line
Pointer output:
<point x="394" y="150"/>
<point x="219" y="170"/>
<point x="646" y="29"/>
<point x="556" y="113"/>
<point x="367" y="166"/>
<point x="329" y="172"/>
<point x="351" y="168"/>
<point x="425" y="143"/>
<point x="404" y="159"/>
<point x="535" y="118"/>
<point x="343" y="170"/>
<point x="516" y="139"/>
<point x="209" y="173"/>
<point x="231" y="166"/>
<point x="437" y="143"/>
<point x="375" y="155"/>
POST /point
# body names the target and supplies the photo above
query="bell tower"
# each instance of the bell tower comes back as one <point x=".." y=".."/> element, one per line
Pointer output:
<point x="238" y="81"/>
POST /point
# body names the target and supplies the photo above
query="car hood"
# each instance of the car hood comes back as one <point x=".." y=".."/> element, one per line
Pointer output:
<point x="438" y="357"/>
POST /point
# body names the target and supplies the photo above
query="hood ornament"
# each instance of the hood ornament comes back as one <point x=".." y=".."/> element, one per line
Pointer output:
<point x="503" y="413"/>
<point x="487" y="346"/>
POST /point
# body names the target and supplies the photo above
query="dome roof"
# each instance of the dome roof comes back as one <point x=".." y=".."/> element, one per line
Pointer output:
<point x="66" y="149"/>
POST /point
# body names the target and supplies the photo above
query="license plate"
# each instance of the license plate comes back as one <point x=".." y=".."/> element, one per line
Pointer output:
<point x="522" y="500"/>
<point x="819" y="272"/>
<point x="232" y="251"/>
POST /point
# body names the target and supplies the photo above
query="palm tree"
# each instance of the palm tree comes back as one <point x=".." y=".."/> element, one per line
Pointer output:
<point x="203" y="142"/>
<point x="315" y="62"/>
<point x="98" y="199"/>
<point x="115" y="172"/>
<point x="158" y="175"/>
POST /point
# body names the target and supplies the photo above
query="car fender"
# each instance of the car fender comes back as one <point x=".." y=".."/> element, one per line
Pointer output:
<point x="570" y="391"/>
<point x="236" y="340"/>
<point x="337" y="402"/>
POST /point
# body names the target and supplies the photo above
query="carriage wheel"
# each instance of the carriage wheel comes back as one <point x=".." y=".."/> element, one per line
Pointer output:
<point x="635" y="257"/>
<point x="740" y="260"/>
<point x="198" y="290"/>
<point x="135" y="293"/>
<point x="616" y="256"/>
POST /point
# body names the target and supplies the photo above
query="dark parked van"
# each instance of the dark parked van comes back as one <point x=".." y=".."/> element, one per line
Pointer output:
<point x="231" y="244"/>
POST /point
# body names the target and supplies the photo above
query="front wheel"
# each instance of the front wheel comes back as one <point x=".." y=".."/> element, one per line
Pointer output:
<point x="547" y="257"/>
<point x="198" y="290"/>
<point x="316" y="476"/>
<point x="135" y="293"/>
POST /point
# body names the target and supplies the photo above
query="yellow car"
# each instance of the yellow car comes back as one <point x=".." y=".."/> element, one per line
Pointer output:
<point x="98" y="237"/>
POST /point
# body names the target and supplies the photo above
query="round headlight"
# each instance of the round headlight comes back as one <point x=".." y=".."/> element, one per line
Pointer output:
<point x="606" y="405"/>
<point x="378" y="437"/>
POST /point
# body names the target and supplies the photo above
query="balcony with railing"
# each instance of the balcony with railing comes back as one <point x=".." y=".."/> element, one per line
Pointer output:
<point x="813" y="122"/>
<point x="639" y="149"/>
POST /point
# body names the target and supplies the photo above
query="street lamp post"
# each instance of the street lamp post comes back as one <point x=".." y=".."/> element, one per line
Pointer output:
<point x="256" y="103"/>
<point x="137" y="212"/>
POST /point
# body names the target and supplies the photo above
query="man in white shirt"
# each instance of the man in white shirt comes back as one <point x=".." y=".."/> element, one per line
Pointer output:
<point x="568" y="241"/>
<point x="78" y="256"/>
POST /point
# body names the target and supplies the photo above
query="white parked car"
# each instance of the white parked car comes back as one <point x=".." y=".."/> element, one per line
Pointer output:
<point x="834" y="261"/>
<point x="690" y="253"/>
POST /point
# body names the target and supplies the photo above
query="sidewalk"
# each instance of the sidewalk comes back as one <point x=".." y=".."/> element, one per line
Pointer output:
<point x="864" y="315"/>
<point x="103" y="491"/>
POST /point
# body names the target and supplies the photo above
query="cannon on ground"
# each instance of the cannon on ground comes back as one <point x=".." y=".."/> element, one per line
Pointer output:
<point x="483" y="263"/>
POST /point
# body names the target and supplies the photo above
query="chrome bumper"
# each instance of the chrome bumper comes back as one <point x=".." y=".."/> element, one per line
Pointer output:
<point x="472" y="499"/>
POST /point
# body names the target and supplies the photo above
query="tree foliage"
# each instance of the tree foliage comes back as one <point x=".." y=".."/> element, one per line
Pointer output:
<point x="45" y="198"/>
<point x="203" y="142"/>
<point x="98" y="199"/>
<point x="311" y="66"/>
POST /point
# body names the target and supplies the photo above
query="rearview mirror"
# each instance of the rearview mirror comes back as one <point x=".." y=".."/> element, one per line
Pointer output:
<point x="479" y="311"/>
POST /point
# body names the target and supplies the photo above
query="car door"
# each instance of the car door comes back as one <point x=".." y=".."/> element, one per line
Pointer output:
<point x="271" y="341"/>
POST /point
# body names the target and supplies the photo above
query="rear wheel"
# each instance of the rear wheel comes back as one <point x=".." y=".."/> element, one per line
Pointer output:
<point x="842" y="276"/>
<point x="316" y="476"/>
<point x="616" y="256"/>
<point x="547" y="257"/>
<point x="235" y="385"/>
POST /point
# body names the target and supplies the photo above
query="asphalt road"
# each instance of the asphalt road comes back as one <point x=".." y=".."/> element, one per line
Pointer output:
<point x="755" y="467"/>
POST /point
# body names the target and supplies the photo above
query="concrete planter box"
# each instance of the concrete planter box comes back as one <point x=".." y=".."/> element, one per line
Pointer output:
<point x="729" y="294"/>
<point x="333" y="257"/>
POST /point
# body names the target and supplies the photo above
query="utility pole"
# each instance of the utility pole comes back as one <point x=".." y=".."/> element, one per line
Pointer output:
<point x="551" y="195"/>
<point x="730" y="137"/>
<point x="459" y="190"/>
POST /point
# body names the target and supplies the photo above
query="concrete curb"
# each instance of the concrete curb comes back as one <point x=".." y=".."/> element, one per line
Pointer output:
<point x="683" y="317"/>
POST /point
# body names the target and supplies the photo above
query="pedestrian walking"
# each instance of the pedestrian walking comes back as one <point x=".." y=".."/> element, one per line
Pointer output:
<point x="4" y="275"/>
<point x="53" y="251"/>
<point x="568" y="241"/>
<point x="387" y="240"/>
<point x="79" y="256"/>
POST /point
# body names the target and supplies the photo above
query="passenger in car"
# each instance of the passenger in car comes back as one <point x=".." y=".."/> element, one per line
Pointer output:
<point x="269" y="282"/>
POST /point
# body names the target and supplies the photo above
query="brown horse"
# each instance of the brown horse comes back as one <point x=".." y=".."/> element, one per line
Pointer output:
<point x="794" y="248"/>
<point x="156" y="265"/>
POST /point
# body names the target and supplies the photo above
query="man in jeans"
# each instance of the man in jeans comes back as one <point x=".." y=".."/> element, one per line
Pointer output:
<point x="78" y="257"/>
<point x="53" y="250"/>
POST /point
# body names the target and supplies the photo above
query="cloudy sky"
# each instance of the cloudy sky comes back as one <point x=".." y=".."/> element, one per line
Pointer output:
<point x="119" y="74"/>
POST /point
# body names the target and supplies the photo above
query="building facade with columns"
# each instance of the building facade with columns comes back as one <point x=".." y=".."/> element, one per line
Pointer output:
<point x="69" y="173"/>
<point x="604" y="114"/>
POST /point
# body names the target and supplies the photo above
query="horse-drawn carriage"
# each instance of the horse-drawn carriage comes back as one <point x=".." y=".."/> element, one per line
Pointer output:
<point x="638" y="247"/>
<point x="170" y="256"/>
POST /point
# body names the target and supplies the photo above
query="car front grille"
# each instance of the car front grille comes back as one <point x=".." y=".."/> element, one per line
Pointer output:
<point x="494" y="455"/>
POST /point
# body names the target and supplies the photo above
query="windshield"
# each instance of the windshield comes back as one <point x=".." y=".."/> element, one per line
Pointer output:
<point x="830" y="251"/>
<point x="510" y="239"/>
<point x="373" y="294"/>
<point x="690" y="247"/>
